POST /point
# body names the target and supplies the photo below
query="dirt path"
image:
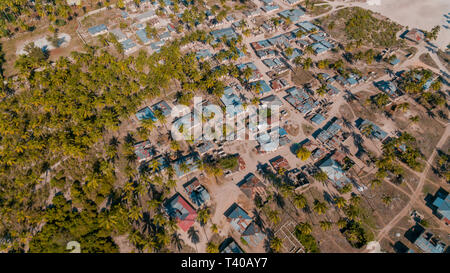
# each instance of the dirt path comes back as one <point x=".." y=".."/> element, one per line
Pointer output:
<point x="418" y="190"/>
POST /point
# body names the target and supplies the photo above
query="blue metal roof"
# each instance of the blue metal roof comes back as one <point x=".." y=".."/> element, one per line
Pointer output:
<point x="145" y="15"/>
<point x="227" y="32"/>
<point x="232" y="102"/>
<point x="352" y="81"/>
<point x="443" y="206"/>
<point x="203" y="53"/>
<point x="264" y="86"/>
<point x="269" y="63"/>
<point x="319" y="48"/>
<point x="269" y="8"/>
<point x="205" y="147"/>
<point x="253" y="234"/>
<point x="142" y="34"/>
<point x="334" y="172"/>
<point x="128" y="44"/>
<point x="307" y="26"/>
<point x="332" y="90"/>
<point x="164" y="35"/>
<point x="232" y="247"/>
<point x="143" y="150"/>
<point x="318" y="119"/>
<point x="239" y="219"/>
<point x="96" y="29"/>
<point x="297" y="52"/>
<point x="376" y="130"/>
<point x="190" y="162"/>
<point x="429" y="247"/>
<point x="163" y="107"/>
<point x="395" y="61"/>
<point x="327" y="44"/>
<point x="293" y="14"/>
<point x="317" y="37"/>
<point x="145" y="113"/>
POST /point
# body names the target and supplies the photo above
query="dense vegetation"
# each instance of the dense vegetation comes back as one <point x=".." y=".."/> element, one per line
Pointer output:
<point x="59" y="116"/>
<point x="88" y="227"/>
<point x="404" y="149"/>
<point x="356" y="235"/>
<point x="15" y="15"/>
<point x="306" y="239"/>
<point x="362" y="26"/>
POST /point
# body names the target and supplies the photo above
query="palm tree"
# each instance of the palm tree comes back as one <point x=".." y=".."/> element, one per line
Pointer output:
<point x="309" y="50"/>
<point x="307" y="64"/>
<point x="172" y="225"/>
<point x="275" y="244"/>
<point x="304" y="228"/>
<point x="108" y="221"/>
<point x="214" y="228"/>
<point x="300" y="201"/>
<point x="321" y="176"/>
<point x="386" y="199"/>
<point x="160" y="116"/>
<point x="148" y="124"/>
<point x="298" y="60"/>
<point x="184" y="167"/>
<point x="163" y="239"/>
<point x="174" y="145"/>
<point x="136" y="239"/>
<point x="159" y="220"/>
<point x="331" y="25"/>
<point x="403" y="107"/>
<point x="154" y="165"/>
<point x="273" y="216"/>
<point x="286" y="190"/>
<point x="289" y="51"/>
<point x="319" y="207"/>
<point x="375" y="183"/>
<point x="355" y="200"/>
<point x="150" y="246"/>
<point x="303" y="153"/>
<point x="367" y="130"/>
<point x="203" y="216"/>
<point x="325" y="225"/>
<point x="171" y="183"/>
<point x="414" y="119"/>
<point x="153" y="204"/>
<point x="135" y="213"/>
<point x="322" y="90"/>
<point x="341" y="223"/>
<point x="247" y="73"/>
<point x="338" y="64"/>
<point x="255" y="101"/>
<point x="212" y="248"/>
<point x="340" y="202"/>
<point x="257" y="87"/>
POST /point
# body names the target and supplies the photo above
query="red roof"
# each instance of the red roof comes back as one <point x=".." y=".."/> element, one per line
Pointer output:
<point x="280" y="162"/>
<point x="187" y="222"/>
<point x="276" y="85"/>
<point x="241" y="163"/>
<point x="256" y="46"/>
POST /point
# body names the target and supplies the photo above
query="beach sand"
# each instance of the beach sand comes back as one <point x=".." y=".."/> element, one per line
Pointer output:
<point x="422" y="14"/>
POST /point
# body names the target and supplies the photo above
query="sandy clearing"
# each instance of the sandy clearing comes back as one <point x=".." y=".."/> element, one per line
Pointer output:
<point x="42" y="42"/>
